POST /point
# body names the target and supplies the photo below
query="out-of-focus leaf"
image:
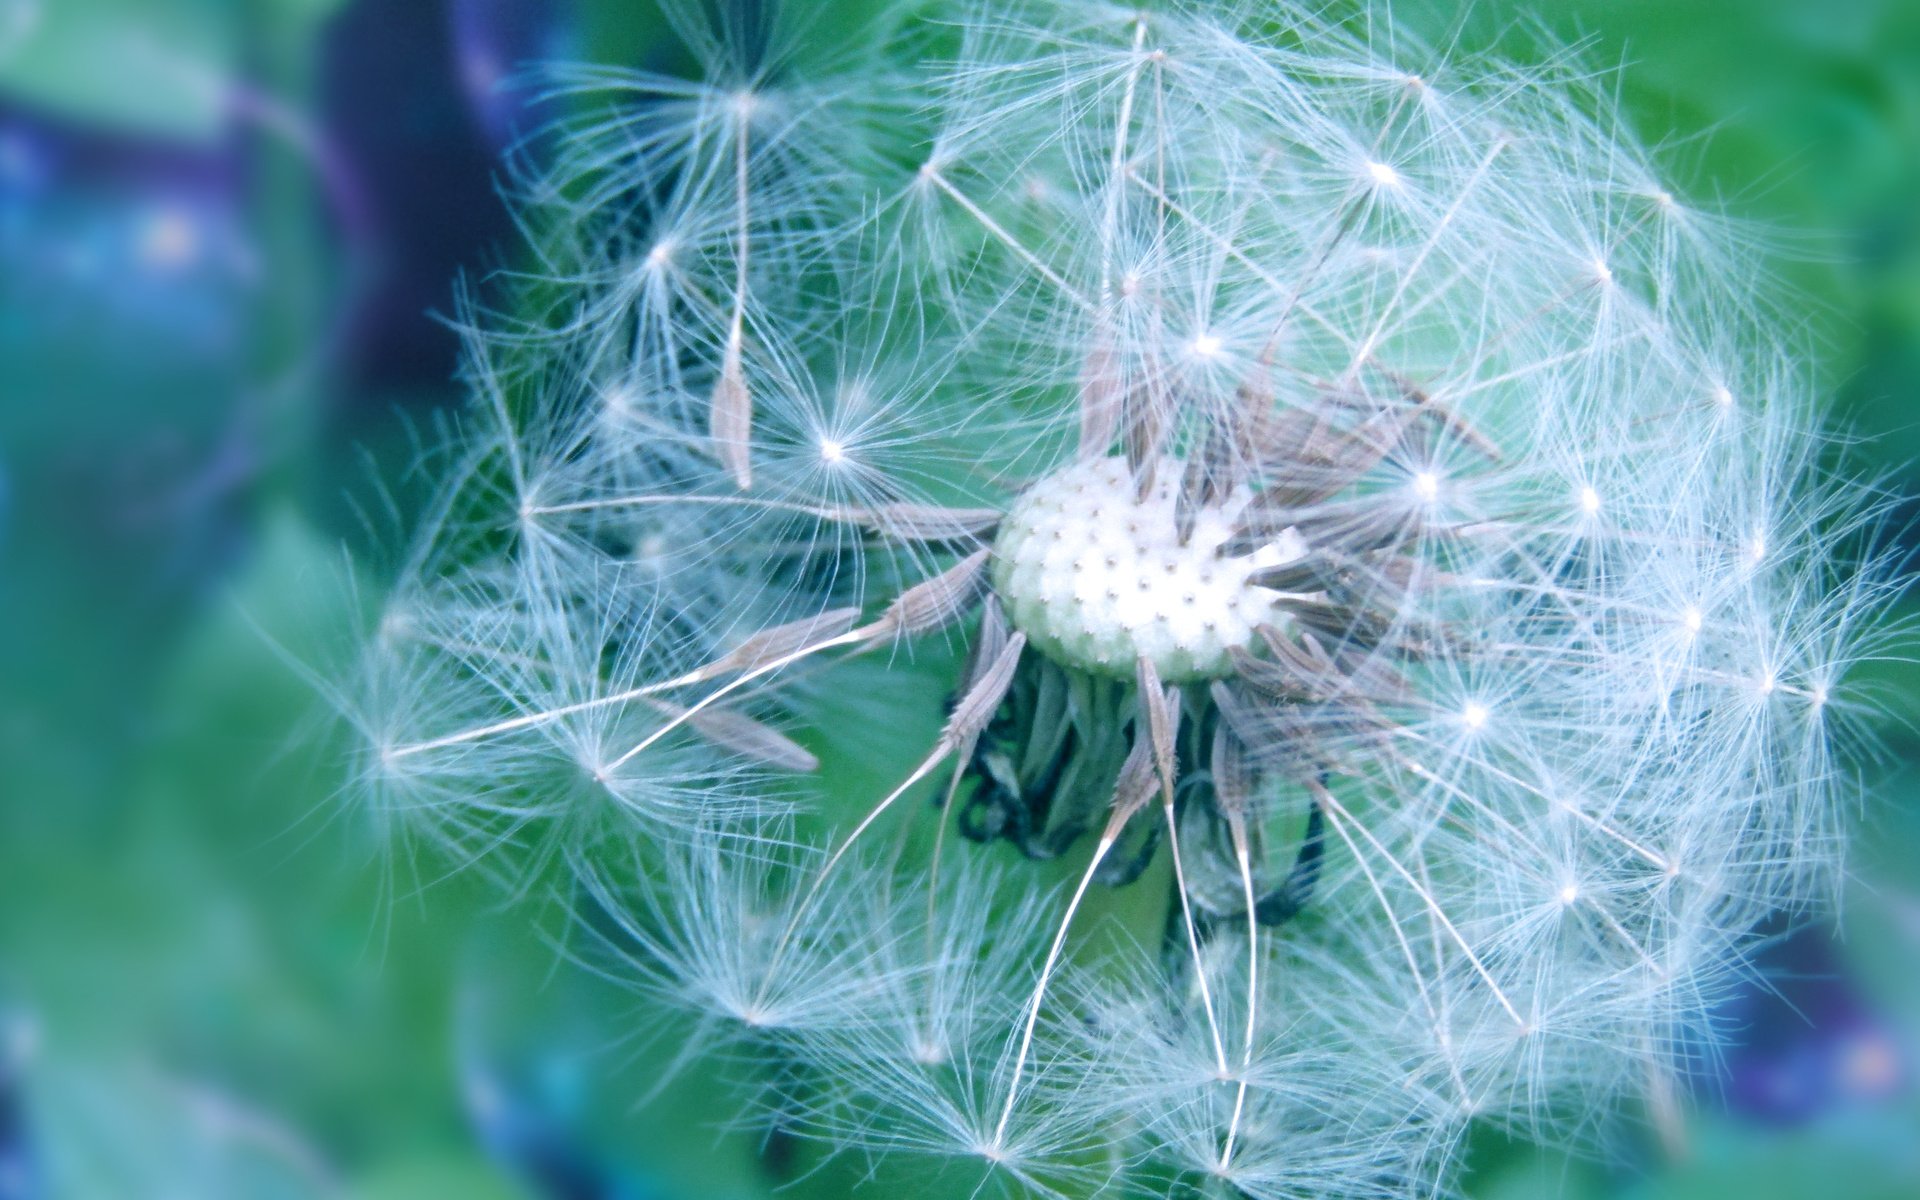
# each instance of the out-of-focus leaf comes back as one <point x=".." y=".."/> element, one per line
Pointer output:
<point x="109" y="1132"/>
<point x="467" y="1177"/>
<point x="1855" y="1156"/>
<point x="1527" y="1173"/>
<point x="157" y="67"/>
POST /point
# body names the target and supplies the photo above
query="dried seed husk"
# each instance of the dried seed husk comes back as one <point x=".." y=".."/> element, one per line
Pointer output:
<point x="1204" y="481"/>
<point x="731" y="419"/>
<point x="769" y="645"/>
<point x="978" y="704"/>
<point x="1143" y="434"/>
<point x="937" y="601"/>
<point x="928" y="522"/>
<point x="1160" y="708"/>
<point x="733" y="730"/>
<point x="1136" y="784"/>
<point x="988" y="642"/>
<point x="1100" y="401"/>
<point x="1234" y="780"/>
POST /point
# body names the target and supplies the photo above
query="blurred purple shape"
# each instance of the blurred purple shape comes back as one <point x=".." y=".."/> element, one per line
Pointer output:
<point x="109" y="237"/>
<point x="19" y="1166"/>
<point x="398" y="105"/>
<point x="1805" y="1040"/>
<point x="492" y="41"/>
<point x="24" y="162"/>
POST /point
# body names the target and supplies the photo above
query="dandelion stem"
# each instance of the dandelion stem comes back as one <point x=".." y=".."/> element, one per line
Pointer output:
<point x="1160" y="710"/>
<point x="1455" y="395"/>
<point x="1108" y="837"/>
<point x="1291" y="295"/>
<point x="543" y="716"/>
<point x="1110" y="219"/>
<point x="824" y="512"/>
<point x="939" y="844"/>
<point x="1339" y="814"/>
<point x="1657" y="860"/>
<point x="699" y="675"/>
<point x="1419" y="259"/>
<point x="742" y="216"/>
<point x="846" y="639"/>
<point x="1193" y="940"/>
<point x="932" y="174"/>
<point x="732" y="415"/>
<point x="1237" y="826"/>
<point x="1406" y="951"/>
<point x="807" y="901"/>
<point x="1483" y="353"/>
<point x="904" y="522"/>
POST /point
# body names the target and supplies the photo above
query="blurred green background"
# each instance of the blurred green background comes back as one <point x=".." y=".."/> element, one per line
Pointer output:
<point x="223" y="227"/>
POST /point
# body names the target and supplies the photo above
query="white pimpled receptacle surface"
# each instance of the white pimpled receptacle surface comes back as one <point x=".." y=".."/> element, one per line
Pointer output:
<point x="1096" y="577"/>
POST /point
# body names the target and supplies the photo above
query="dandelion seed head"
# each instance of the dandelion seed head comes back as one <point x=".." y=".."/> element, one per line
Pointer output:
<point x="1098" y="577"/>
<point x="1210" y="487"/>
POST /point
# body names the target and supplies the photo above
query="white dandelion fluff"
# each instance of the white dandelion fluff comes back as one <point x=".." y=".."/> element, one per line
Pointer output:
<point x="1379" y="528"/>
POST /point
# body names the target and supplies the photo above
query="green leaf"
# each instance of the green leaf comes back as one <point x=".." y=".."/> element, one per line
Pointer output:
<point x="152" y="67"/>
<point x="468" y="1177"/>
